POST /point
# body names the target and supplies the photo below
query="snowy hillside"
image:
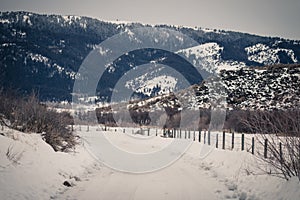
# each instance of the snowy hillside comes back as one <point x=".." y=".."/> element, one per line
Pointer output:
<point x="44" y="53"/>
<point x="165" y="84"/>
<point x="266" y="55"/>
<point x="246" y="88"/>
<point x="209" y="57"/>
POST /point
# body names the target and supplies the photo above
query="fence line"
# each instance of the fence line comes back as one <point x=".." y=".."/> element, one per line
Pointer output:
<point x="221" y="140"/>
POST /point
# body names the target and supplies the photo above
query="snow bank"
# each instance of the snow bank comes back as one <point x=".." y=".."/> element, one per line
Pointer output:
<point x="30" y="169"/>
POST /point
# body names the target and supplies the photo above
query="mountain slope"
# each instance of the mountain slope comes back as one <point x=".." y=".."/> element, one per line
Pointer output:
<point x="272" y="87"/>
<point x="44" y="53"/>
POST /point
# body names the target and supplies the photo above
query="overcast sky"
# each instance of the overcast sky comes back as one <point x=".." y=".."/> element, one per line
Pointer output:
<point x="264" y="17"/>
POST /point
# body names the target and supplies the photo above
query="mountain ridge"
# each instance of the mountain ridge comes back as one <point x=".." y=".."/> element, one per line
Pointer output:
<point x="44" y="52"/>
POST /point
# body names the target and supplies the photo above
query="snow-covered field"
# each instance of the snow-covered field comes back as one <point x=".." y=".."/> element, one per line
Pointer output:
<point x="30" y="169"/>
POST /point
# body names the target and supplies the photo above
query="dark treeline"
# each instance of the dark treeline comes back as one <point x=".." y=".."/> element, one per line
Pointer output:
<point x="236" y="120"/>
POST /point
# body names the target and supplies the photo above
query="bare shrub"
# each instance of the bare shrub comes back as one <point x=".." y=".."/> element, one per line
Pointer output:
<point x="13" y="156"/>
<point x="281" y="128"/>
<point x="28" y="115"/>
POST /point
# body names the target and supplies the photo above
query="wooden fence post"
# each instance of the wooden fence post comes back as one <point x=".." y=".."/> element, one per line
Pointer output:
<point x="223" y="144"/>
<point x="243" y="142"/>
<point x="280" y="153"/>
<point x="232" y="140"/>
<point x="123" y="130"/>
<point x="252" y="145"/>
<point x="148" y="131"/>
<point x="204" y="137"/>
<point x="208" y="139"/>
<point x="185" y="134"/>
<point x="156" y="133"/>
<point x="180" y="133"/>
<point x="199" y="139"/>
<point x="189" y="134"/>
<point x="217" y="140"/>
<point x="72" y="128"/>
<point x="266" y="148"/>
<point x="194" y="135"/>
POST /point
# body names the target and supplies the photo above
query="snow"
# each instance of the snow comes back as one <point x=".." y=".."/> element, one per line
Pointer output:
<point x="83" y="25"/>
<point x="37" y="172"/>
<point x="263" y="54"/>
<point x="46" y="61"/>
<point x="8" y="44"/>
<point x="38" y="58"/>
<point x="26" y="19"/>
<point x="88" y="99"/>
<point x="4" y="21"/>
<point x="70" y="19"/>
<point x="131" y="35"/>
<point x="208" y="30"/>
<point x="121" y="22"/>
<point x="204" y="50"/>
<point x="166" y="83"/>
<point x="208" y="56"/>
<point x="102" y="51"/>
<point x="155" y="77"/>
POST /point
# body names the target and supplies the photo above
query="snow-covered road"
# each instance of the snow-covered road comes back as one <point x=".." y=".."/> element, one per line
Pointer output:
<point x="34" y="171"/>
<point x="219" y="175"/>
<point x="182" y="180"/>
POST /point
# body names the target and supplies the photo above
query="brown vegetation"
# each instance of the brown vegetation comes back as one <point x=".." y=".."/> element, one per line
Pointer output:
<point x="28" y="115"/>
<point x="281" y="130"/>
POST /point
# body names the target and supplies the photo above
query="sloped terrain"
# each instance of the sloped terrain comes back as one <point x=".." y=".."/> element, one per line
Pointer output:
<point x="273" y="87"/>
<point x="44" y="52"/>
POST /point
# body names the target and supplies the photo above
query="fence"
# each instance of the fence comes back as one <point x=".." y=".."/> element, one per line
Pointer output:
<point x="221" y="140"/>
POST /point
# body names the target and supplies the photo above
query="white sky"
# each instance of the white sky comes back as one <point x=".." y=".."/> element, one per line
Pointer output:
<point x="264" y="17"/>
